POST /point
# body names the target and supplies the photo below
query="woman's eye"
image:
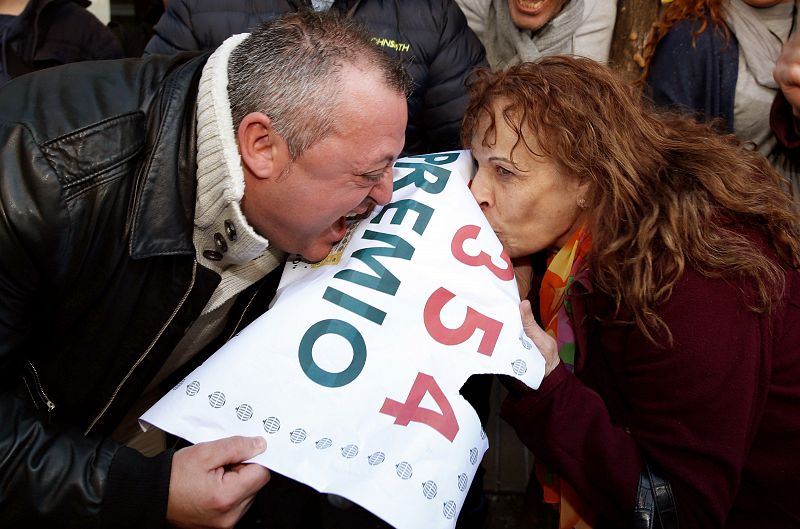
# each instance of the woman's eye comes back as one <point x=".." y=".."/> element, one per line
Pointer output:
<point x="502" y="171"/>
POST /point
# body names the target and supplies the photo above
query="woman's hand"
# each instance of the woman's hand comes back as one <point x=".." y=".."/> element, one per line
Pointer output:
<point x="523" y="272"/>
<point x="546" y="343"/>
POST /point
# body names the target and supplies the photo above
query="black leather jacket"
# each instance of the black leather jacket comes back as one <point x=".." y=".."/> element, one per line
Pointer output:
<point x="431" y="37"/>
<point x="98" y="281"/>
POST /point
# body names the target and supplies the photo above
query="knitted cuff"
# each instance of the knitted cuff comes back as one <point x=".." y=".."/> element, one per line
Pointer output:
<point x="137" y="490"/>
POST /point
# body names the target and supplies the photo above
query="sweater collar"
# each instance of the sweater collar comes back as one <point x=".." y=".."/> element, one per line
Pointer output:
<point x="222" y="235"/>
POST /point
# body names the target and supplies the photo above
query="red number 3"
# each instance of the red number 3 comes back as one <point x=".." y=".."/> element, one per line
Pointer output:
<point x="482" y="259"/>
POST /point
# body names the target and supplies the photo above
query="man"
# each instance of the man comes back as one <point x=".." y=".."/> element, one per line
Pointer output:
<point x="431" y="37"/>
<point x="514" y="31"/>
<point x="143" y="205"/>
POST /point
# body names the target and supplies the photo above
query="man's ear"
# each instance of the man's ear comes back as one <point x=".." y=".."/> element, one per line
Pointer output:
<point x="263" y="151"/>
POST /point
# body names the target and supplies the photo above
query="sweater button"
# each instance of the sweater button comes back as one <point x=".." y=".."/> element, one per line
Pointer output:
<point x="230" y="230"/>
<point x="222" y="246"/>
<point x="212" y="255"/>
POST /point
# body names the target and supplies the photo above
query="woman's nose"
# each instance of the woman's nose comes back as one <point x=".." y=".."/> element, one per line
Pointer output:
<point x="480" y="190"/>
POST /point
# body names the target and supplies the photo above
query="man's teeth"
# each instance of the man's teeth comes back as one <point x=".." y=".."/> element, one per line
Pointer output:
<point x="531" y="5"/>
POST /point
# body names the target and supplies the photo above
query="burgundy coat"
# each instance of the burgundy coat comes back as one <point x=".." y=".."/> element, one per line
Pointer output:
<point x="719" y="410"/>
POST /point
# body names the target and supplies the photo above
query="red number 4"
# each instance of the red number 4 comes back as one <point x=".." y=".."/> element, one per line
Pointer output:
<point x="443" y="422"/>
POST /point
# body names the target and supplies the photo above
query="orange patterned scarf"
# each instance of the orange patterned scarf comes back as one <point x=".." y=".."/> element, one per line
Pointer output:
<point x="555" y="311"/>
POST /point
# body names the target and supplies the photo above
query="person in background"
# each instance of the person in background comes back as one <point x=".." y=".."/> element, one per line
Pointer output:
<point x="662" y="260"/>
<point x="715" y="60"/>
<point x="785" y="112"/>
<point x="430" y="37"/>
<point x="145" y="205"/>
<point x="135" y="32"/>
<point x="37" y="34"/>
<point x="514" y="31"/>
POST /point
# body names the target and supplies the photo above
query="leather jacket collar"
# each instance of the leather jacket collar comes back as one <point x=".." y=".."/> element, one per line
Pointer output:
<point x="162" y="220"/>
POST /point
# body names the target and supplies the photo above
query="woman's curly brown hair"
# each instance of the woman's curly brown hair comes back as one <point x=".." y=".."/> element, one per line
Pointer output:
<point x="664" y="192"/>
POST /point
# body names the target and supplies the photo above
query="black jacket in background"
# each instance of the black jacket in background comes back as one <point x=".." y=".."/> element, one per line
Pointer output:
<point x="431" y="38"/>
<point x="53" y="32"/>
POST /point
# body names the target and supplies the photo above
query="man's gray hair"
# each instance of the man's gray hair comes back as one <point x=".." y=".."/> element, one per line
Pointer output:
<point x="290" y="70"/>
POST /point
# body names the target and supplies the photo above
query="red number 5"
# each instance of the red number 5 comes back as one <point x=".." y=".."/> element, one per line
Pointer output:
<point x="473" y="321"/>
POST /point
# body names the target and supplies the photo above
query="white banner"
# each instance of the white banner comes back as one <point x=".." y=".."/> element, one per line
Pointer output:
<point x="353" y="375"/>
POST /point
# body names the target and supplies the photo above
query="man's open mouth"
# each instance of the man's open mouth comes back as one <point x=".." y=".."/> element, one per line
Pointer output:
<point x="354" y="217"/>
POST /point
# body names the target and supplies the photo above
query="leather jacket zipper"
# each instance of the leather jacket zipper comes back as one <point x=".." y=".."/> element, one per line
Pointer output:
<point x="146" y="351"/>
<point x="40" y="390"/>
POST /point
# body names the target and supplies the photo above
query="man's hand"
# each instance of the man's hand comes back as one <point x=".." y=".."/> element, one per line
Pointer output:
<point x="210" y="487"/>
<point x="787" y="72"/>
<point x="546" y="343"/>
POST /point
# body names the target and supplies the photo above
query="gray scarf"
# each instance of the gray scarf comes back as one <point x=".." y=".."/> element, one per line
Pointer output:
<point x="758" y="44"/>
<point x="507" y="45"/>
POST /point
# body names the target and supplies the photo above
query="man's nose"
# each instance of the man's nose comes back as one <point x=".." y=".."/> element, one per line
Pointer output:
<point x="381" y="192"/>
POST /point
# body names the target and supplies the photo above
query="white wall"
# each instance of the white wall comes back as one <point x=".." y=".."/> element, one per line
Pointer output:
<point x="101" y="9"/>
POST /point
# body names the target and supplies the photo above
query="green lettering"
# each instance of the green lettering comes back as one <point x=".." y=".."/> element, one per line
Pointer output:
<point x="356" y="306"/>
<point x="429" y="165"/>
<point x="424" y="213"/>
<point x="384" y="281"/>
<point x="328" y="378"/>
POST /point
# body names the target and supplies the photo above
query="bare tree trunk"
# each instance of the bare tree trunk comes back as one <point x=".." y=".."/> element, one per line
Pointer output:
<point x="634" y="19"/>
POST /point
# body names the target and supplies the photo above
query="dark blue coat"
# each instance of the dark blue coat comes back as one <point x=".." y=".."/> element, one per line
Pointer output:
<point x="696" y="73"/>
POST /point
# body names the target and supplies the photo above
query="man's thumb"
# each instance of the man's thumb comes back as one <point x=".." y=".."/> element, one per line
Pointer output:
<point x="235" y="449"/>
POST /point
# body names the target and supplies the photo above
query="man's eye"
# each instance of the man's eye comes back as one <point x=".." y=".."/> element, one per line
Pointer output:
<point x="373" y="177"/>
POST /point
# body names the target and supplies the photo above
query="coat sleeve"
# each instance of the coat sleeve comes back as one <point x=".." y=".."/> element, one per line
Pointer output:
<point x="173" y="32"/>
<point x="99" y="41"/>
<point x="785" y="125"/>
<point x="695" y="73"/>
<point x="458" y="53"/>
<point x="50" y="474"/>
<point x="692" y="408"/>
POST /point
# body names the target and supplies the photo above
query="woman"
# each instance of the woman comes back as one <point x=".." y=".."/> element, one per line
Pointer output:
<point x="665" y="261"/>
<point x="715" y="58"/>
